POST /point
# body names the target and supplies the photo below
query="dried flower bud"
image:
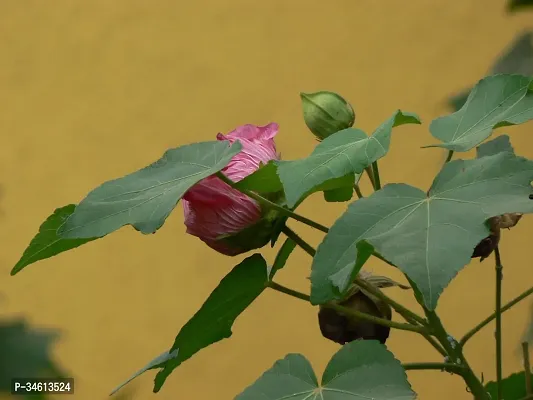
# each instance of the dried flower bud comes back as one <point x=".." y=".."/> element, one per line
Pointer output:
<point x="326" y="113"/>
<point x="487" y="245"/>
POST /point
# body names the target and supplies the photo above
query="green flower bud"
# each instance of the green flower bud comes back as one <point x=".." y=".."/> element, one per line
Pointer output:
<point x="326" y="113"/>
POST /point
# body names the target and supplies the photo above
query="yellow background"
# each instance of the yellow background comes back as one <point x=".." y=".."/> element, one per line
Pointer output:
<point x="92" y="90"/>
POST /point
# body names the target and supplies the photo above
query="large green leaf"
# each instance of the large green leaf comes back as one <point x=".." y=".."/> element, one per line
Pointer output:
<point x="498" y="100"/>
<point x="47" y="243"/>
<point x="363" y="370"/>
<point x="215" y="318"/>
<point x="346" y="152"/>
<point x="513" y="387"/>
<point x="516" y="59"/>
<point x="25" y="352"/>
<point x="145" y="198"/>
<point x="430" y="237"/>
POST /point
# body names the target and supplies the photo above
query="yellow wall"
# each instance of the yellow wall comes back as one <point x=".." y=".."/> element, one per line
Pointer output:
<point x="91" y="90"/>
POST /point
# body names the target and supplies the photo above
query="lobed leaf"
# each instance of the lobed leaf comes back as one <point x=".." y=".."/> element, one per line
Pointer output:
<point x="144" y="199"/>
<point x="498" y="100"/>
<point x="346" y="152"/>
<point x="495" y="146"/>
<point x="47" y="243"/>
<point x="363" y="369"/>
<point x="430" y="237"/>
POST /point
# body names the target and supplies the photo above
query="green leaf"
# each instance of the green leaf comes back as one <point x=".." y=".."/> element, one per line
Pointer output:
<point x="513" y="387"/>
<point x="47" y="243"/>
<point x="158" y="362"/>
<point x="281" y="258"/>
<point x="346" y="152"/>
<point x="495" y="146"/>
<point x="498" y="100"/>
<point x="215" y="318"/>
<point x="430" y="237"/>
<point x="340" y="194"/>
<point x="264" y="180"/>
<point x="25" y="353"/>
<point x="363" y="369"/>
<point x="145" y="198"/>
<point x="517" y="5"/>
<point x="517" y="59"/>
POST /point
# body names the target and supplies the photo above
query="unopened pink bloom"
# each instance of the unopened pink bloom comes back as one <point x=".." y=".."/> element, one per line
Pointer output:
<point x="212" y="208"/>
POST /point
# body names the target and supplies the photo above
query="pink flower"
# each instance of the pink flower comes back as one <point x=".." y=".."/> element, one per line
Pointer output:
<point x="217" y="213"/>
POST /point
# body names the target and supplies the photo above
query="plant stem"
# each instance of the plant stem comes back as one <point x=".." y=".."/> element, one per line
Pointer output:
<point x="527" y="367"/>
<point x="499" y="375"/>
<point x="455" y="353"/>
<point x="348" y="311"/>
<point x="358" y="191"/>
<point x="405" y="312"/>
<point x="449" y="157"/>
<point x="268" y="203"/>
<point x="375" y="170"/>
<point x="299" y="241"/>
<point x="433" y="365"/>
<point x="489" y="319"/>
<point x="370" y="174"/>
<point x="289" y="291"/>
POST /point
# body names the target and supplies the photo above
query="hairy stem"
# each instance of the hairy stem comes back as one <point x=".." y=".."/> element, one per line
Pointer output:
<point x="455" y="353"/>
<point x="348" y="311"/>
<point x="449" y="367"/>
<point x="358" y="191"/>
<point x="299" y="241"/>
<point x="375" y="170"/>
<point x="268" y="203"/>
<point x="498" y="333"/>
<point x="490" y="318"/>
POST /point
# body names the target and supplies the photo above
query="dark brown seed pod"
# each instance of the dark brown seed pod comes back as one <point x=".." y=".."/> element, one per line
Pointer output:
<point x="342" y="328"/>
<point x="487" y="245"/>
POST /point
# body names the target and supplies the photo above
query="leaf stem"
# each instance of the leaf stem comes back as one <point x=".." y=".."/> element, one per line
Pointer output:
<point x="449" y="157"/>
<point x="455" y="353"/>
<point x="375" y="170"/>
<point x="499" y="375"/>
<point x="358" y="190"/>
<point x="347" y="310"/>
<point x="489" y="319"/>
<point x="299" y="241"/>
<point x="266" y="202"/>
<point x="405" y="312"/>
<point x="527" y="367"/>
<point x="370" y="174"/>
<point x="449" y="367"/>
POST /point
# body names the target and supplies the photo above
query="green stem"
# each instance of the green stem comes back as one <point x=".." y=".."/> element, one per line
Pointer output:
<point x="490" y="318"/>
<point x="499" y="375"/>
<point x="433" y="365"/>
<point x="289" y="291"/>
<point x="455" y="354"/>
<point x="370" y="174"/>
<point x="449" y="157"/>
<point x="299" y="241"/>
<point x="273" y="205"/>
<point x="403" y="311"/>
<point x="358" y="191"/>
<point x="375" y="170"/>
<point x="527" y="367"/>
<point x="348" y="311"/>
